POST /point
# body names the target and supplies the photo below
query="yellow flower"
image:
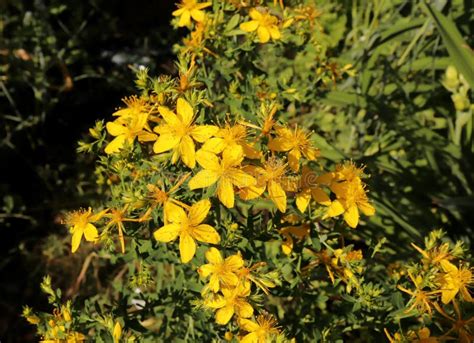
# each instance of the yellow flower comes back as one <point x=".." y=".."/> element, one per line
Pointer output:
<point x="66" y="312"/>
<point x="347" y="171"/>
<point x="271" y="177"/>
<point x="232" y="301"/>
<point x="226" y="173"/>
<point x="461" y="327"/>
<point x="117" y="332"/>
<point x="135" y="106"/>
<point x="351" y="197"/>
<point x="421" y="300"/>
<point x="232" y="140"/>
<point x="125" y="130"/>
<point x="455" y="281"/>
<point x="422" y="336"/>
<point x="310" y="188"/>
<point x="179" y="131"/>
<point x="397" y="338"/>
<point x="75" y="337"/>
<point x="222" y="272"/>
<point x="190" y="9"/>
<point x="159" y="197"/>
<point x="117" y="217"/>
<point x="189" y="228"/>
<point x="30" y="316"/>
<point x="264" y="281"/>
<point x="262" y="331"/>
<point x="337" y="263"/>
<point x="434" y="255"/>
<point x="296" y="142"/>
<point x="80" y="223"/>
<point x="299" y="232"/>
<point x="264" y="23"/>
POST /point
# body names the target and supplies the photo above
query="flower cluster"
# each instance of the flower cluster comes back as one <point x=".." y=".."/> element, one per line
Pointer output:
<point x="438" y="286"/>
<point x="58" y="326"/>
<point x="190" y="174"/>
<point x="243" y="160"/>
<point x="229" y="290"/>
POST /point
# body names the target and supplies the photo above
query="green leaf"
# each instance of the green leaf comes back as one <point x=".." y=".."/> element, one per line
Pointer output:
<point x="233" y="22"/>
<point x="459" y="51"/>
<point x="338" y="98"/>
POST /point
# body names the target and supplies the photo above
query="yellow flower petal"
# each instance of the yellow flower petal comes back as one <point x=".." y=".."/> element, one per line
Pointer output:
<point x="76" y="240"/>
<point x="202" y="133"/>
<point x="214" y="256"/>
<point x="146" y="136"/>
<point x="224" y="314"/>
<point x="351" y="216"/>
<point x="178" y="12"/>
<point x="214" y="283"/>
<point x="249" y="26"/>
<point x="203" y="179"/>
<point x="207" y="160"/>
<point x="366" y="208"/>
<point x="198" y="15"/>
<point x="274" y="32"/>
<point x="448" y="267"/>
<point x="294" y="159"/>
<point x="287" y="245"/>
<point x="234" y="262"/>
<point x="167" y="233"/>
<point x="225" y="192"/>
<point x="217" y="302"/>
<point x="252" y="192"/>
<point x="187" y="151"/>
<point x="214" y="145"/>
<point x="205" y="270"/>
<point x="187" y="247"/>
<point x="310" y="153"/>
<point x="175" y="214"/>
<point x="241" y="178"/>
<point x="116" y="144"/>
<point x="263" y="34"/>
<point x="198" y="212"/>
<point x="139" y="122"/>
<point x="250" y="151"/>
<point x="185" y="19"/>
<point x="277" y="194"/>
<point x="229" y="279"/>
<point x="169" y="117"/>
<point x="335" y="209"/>
<point x="302" y="199"/>
<point x="245" y="310"/>
<point x="320" y="196"/>
<point x="95" y="217"/>
<point x="448" y="295"/>
<point x="185" y="111"/>
<point x="251" y="337"/>
<point x="90" y="232"/>
<point x="165" y="142"/>
<point x="206" y="233"/>
<point x="280" y="144"/>
<point x="255" y="14"/>
<point x="169" y="209"/>
<point x="115" y="129"/>
<point x="203" y="5"/>
<point x="233" y="155"/>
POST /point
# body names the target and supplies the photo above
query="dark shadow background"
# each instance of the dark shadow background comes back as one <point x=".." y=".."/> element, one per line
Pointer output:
<point x="63" y="65"/>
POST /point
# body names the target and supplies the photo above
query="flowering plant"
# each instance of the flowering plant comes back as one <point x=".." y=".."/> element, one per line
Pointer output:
<point x="221" y="218"/>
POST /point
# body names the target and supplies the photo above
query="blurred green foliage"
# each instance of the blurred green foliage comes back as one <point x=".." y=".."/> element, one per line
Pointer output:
<point x="406" y="116"/>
